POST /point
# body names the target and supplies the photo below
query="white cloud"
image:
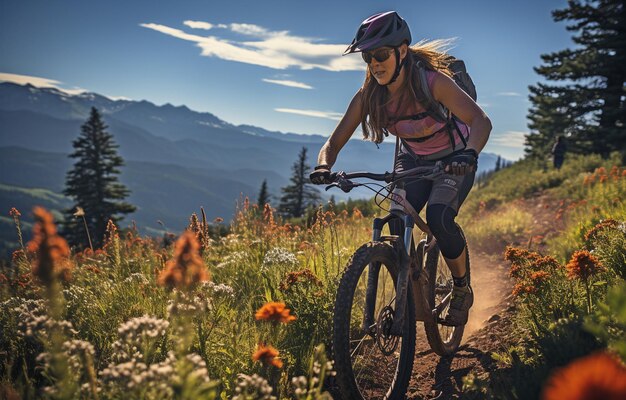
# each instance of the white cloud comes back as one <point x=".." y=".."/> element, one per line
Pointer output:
<point x="47" y="83"/>
<point x="509" y="94"/>
<point x="272" y="49"/>
<point x="38" y="82"/>
<point x="199" y="25"/>
<point x="254" y="30"/>
<point x="312" y="113"/>
<point x="294" y="84"/>
<point x="509" y="139"/>
<point x="24" y="79"/>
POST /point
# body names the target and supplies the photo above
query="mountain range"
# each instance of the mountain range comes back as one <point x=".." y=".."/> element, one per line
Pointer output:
<point x="176" y="159"/>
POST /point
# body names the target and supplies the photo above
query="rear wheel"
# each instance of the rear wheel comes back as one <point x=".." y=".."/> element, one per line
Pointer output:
<point x="371" y="363"/>
<point x="443" y="339"/>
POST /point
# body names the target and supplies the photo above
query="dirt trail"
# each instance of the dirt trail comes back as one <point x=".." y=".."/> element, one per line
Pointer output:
<point x="488" y="327"/>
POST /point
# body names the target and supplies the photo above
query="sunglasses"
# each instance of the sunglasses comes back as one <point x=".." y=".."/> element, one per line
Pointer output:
<point x="381" y="55"/>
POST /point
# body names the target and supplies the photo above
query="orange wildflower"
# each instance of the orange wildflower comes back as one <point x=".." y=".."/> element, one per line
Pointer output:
<point x="605" y="224"/>
<point x="539" y="277"/>
<point x="603" y="178"/>
<point x="597" y="376"/>
<point x="276" y="312"/>
<point x="52" y="260"/>
<point x="521" y="288"/>
<point x="267" y="355"/>
<point x="303" y="276"/>
<point x="583" y="265"/>
<point x="186" y="269"/>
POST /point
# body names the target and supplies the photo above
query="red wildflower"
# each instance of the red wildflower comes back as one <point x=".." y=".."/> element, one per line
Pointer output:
<point x="598" y="376"/>
<point x="14" y="212"/>
<point x="267" y="355"/>
<point x="186" y="269"/>
<point x="53" y="253"/>
<point x="583" y="265"/>
<point x="276" y="312"/>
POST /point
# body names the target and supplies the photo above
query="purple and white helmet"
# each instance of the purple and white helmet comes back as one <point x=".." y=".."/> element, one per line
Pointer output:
<point x="383" y="29"/>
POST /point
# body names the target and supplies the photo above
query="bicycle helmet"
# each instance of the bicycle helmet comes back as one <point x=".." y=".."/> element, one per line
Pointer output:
<point x="383" y="29"/>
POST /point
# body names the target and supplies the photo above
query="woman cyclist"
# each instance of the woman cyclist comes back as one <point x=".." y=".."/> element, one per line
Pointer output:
<point x="392" y="100"/>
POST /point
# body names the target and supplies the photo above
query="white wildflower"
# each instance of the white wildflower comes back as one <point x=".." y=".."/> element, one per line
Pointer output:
<point x="279" y="256"/>
<point x="253" y="387"/>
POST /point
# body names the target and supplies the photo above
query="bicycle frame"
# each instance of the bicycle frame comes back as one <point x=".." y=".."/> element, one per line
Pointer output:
<point x="400" y="209"/>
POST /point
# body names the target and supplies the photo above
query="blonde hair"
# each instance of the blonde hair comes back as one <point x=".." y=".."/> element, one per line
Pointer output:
<point x="375" y="98"/>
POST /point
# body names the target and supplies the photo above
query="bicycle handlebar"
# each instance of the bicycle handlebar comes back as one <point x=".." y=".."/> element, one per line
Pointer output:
<point x="342" y="180"/>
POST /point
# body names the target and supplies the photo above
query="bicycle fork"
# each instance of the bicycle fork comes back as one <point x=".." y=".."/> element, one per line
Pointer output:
<point x="403" y="249"/>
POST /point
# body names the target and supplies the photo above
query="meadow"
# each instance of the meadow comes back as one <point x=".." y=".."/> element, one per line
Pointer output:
<point x="248" y="314"/>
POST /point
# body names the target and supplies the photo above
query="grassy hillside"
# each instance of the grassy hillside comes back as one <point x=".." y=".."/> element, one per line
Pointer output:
<point x="132" y="336"/>
<point x="569" y="289"/>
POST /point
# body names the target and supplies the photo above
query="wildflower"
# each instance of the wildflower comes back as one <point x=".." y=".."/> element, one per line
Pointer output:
<point x="546" y="263"/>
<point x="583" y="265"/>
<point x="539" y="277"/>
<point x="187" y="268"/>
<point x="218" y="220"/>
<point x="521" y="288"/>
<point x="14" y="212"/>
<point x="52" y="250"/>
<point x="603" y="178"/>
<point x="253" y="387"/>
<point x="276" y="312"/>
<point x="597" y="376"/>
<point x="79" y="212"/>
<point x="267" y="355"/>
<point x="293" y="278"/>
<point x="605" y="224"/>
<point x="194" y="224"/>
<point x="17" y="255"/>
<point x="111" y="231"/>
<point x="279" y="256"/>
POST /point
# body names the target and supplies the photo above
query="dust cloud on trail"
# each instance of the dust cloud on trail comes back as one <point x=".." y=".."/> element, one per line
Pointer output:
<point x="491" y="284"/>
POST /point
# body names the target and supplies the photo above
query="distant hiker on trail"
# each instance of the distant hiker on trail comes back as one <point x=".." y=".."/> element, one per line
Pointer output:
<point x="558" y="151"/>
<point x="403" y="94"/>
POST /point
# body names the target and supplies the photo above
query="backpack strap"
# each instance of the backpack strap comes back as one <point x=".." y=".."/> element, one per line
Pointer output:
<point x="441" y="114"/>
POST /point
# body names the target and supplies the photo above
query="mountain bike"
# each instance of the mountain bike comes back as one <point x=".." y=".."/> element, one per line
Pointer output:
<point x="388" y="285"/>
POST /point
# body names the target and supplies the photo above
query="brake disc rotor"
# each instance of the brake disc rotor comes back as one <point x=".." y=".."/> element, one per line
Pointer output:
<point x="386" y="342"/>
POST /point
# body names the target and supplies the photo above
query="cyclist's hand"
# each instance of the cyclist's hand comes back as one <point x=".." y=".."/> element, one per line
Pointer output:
<point x="321" y="175"/>
<point x="462" y="162"/>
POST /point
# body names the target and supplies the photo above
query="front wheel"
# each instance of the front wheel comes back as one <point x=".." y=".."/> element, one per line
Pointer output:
<point x="371" y="363"/>
<point x="443" y="339"/>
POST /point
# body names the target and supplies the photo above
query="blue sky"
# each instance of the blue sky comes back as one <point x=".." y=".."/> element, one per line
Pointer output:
<point x="273" y="64"/>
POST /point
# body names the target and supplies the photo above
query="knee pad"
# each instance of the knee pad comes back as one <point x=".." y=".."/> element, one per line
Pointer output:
<point x="440" y="219"/>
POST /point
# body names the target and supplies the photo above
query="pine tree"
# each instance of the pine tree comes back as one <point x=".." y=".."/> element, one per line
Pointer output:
<point x="299" y="194"/>
<point x="588" y="103"/>
<point x="498" y="163"/>
<point x="264" y="196"/>
<point x="93" y="184"/>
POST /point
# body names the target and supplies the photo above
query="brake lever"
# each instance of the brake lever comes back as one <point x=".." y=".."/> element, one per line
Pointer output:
<point x="341" y="182"/>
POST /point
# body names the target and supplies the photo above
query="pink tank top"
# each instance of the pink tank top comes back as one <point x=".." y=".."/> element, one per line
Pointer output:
<point x="424" y="127"/>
